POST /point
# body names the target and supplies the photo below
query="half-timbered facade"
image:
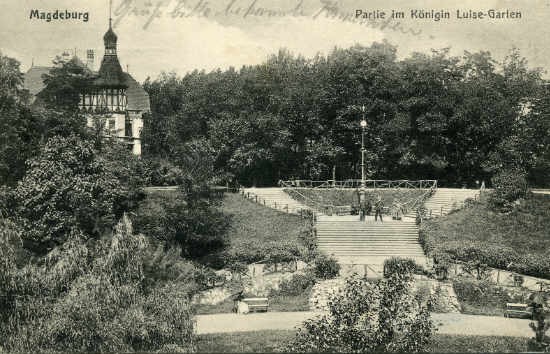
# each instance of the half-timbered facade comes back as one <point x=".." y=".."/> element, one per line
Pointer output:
<point x="115" y="99"/>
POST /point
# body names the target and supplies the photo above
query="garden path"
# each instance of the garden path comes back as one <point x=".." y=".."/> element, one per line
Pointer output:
<point x="447" y="323"/>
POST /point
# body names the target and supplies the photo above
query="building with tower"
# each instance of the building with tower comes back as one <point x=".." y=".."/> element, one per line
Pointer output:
<point x="115" y="99"/>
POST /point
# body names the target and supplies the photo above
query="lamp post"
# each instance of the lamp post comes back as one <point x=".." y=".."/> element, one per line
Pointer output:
<point x="362" y="191"/>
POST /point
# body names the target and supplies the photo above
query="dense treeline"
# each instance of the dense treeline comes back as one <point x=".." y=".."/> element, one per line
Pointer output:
<point x="455" y="119"/>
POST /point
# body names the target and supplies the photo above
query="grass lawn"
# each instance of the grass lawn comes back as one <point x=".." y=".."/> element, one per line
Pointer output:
<point x="253" y="225"/>
<point x="444" y="343"/>
<point x="243" y="342"/>
<point x="268" y="341"/>
<point x="527" y="228"/>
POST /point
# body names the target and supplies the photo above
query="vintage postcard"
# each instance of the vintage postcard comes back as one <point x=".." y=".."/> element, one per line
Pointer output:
<point x="275" y="176"/>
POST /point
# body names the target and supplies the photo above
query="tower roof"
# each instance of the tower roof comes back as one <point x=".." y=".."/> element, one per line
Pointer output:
<point x="110" y="38"/>
<point x="110" y="73"/>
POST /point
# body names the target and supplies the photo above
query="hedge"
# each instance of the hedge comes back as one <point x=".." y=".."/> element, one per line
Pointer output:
<point x="496" y="256"/>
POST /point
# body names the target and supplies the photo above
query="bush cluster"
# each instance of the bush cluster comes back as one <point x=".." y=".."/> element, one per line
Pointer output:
<point x="365" y="316"/>
<point x="95" y="296"/>
<point x="495" y="256"/>
<point x="298" y="284"/>
<point x="482" y="293"/>
<point x="163" y="173"/>
<point x="268" y="252"/>
<point x="397" y="265"/>
<point x="326" y="267"/>
<point x="509" y="186"/>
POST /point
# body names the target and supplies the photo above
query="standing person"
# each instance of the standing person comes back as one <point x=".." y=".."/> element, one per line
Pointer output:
<point x="362" y="211"/>
<point x="378" y="207"/>
<point x="369" y="207"/>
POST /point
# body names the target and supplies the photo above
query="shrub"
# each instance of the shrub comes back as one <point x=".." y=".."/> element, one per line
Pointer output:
<point x="163" y="173"/>
<point x="539" y="302"/>
<point x="480" y="255"/>
<point x="509" y="186"/>
<point x="298" y="284"/>
<point x="403" y="266"/>
<point x="368" y="317"/>
<point x="308" y="243"/>
<point x="482" y="293"/>
<point x="93" y="297"/>
<point x="326" y="267"/>
<point x="269" y="252"/>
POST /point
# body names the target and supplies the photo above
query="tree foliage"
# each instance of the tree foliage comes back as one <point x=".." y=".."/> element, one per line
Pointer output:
<point x="455" y="119"/>
<point x="70" y="187"/>
<point x="509" y="186"/>
<point x="189" y="220"/>
<point x="64" y="84"/>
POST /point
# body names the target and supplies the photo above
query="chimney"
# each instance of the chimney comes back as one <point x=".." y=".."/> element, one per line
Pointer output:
<point x="90" y="59"/>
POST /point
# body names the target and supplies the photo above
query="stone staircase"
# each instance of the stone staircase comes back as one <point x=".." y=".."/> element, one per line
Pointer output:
<point x="275" y="198"/>
<point x="446" y="199"/>
<point x="366" y="245"/>
<point x="353" y="242"/>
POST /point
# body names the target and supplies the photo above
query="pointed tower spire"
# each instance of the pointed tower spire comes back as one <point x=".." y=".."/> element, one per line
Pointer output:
<point x="110" y="13"/>
<point x="110" y="72"/>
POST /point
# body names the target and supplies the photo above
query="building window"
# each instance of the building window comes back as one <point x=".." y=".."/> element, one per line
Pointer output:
<point x="111" y="126"/>
<point x="128" y="127"/>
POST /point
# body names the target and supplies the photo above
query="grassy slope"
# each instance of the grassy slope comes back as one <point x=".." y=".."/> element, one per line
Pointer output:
<point x="526" y="229"/>
<point x="253" y="223"/>
<point x="267" y="341"/>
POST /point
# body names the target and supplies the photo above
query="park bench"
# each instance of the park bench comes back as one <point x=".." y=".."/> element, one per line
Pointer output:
<point x="256" y="304"/>
<point x="518" y="311"/>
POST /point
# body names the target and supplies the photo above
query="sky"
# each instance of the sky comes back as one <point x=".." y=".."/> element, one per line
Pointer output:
<point x="184" y="35"/>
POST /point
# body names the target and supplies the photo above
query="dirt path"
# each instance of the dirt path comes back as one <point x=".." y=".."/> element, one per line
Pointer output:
<point x="446" y="323"/>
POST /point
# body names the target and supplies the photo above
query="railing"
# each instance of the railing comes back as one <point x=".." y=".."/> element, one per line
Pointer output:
<point x="403" y="209"/>
<point x="303" y="212"/>
<point x="452" y="205"/>
<point x="356" y="183"/>
<point x="415" y="204"/>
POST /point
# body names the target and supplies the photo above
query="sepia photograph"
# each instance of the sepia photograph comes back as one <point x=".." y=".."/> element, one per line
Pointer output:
<point x="280" y="176"/>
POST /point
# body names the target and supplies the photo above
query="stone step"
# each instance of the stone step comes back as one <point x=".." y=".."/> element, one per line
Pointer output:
<point x="366" y="252"/>
<point x="374" y="254"/>
<point x="366" y="232"/>
<point x="368" y="241"/>
<point x="373" y="246"/>
<point x="342" y="238"/>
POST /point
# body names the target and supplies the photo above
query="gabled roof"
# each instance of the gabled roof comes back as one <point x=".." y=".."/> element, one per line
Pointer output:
<point x="137" y="98"/>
